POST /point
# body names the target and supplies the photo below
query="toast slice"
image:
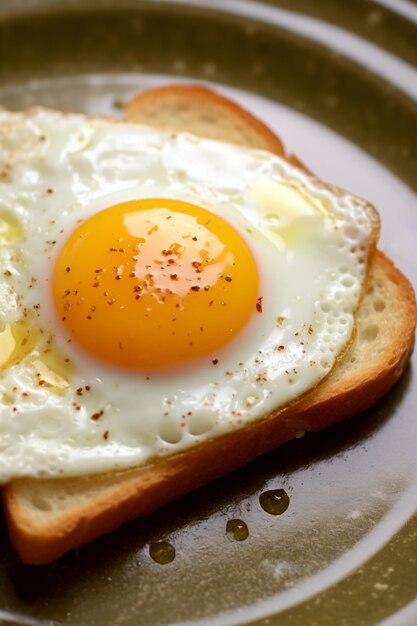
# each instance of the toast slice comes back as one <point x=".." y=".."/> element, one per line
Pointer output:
<point x="205" y="113"/>
<point x="49" y="517"/>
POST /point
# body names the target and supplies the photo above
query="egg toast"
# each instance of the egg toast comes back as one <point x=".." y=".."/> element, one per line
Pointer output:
<point x="48" y="517"/>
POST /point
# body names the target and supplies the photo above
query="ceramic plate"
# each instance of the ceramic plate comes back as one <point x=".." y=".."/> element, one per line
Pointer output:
<point x="336" y="81"/>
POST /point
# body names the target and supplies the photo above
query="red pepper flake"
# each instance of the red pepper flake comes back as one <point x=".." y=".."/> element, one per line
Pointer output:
<point x="96" y="285"/>
<point x="167" y="252"/>
<point x="215" y="361"/>
<point x="228" y="279"/>
<point x="259" y="304"/>
<point x="87" y="387"/>
<point x="171" y="261"/>
<point x="79" y="391"/>
<point x="196" y="264"/>
<point x="195" y="288"/>
<point x="132" y="274"/>
<point x="106" y="434"/>
<point x="118" y="277"/>
<point x="174" y="276"/>
<point x="67" y="269"/>
<point x="279" y="348"/>
<point x="194" y="238"/>
<point x="112" y="249"/>
<point x="96" y="416"/>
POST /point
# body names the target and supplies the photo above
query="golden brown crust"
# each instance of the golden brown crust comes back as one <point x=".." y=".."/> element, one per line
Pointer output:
<point x="113" y="499"/>
<point x="211" y="106"/>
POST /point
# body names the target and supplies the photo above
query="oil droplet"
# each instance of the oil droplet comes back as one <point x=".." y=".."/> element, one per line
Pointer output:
<point x="162" y="552"/>
<point x="238" y="529"/>
<point x="274" y="501"/>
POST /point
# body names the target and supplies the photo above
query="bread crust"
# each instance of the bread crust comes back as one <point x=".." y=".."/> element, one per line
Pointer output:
<point x="247" y="129"/>
<point x="112" y="499"/>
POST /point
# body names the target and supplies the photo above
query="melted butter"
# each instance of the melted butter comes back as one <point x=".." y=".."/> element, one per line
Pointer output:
<point x="162" y="552"/>
<point x="48" y="377"/>
<point x="287" y="211"/>
<point x="25" y="340"/>
<point x="274" y="501"/>
<point x="7" y="345"/>
<point x="10" y="228"/>
<point x="16" y="342"/>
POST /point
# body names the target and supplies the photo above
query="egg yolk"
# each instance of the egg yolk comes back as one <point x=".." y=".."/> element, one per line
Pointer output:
<point x="154" y="282"/>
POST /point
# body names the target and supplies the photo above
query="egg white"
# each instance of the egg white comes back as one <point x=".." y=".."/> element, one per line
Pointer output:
<point x="310" y="245"/>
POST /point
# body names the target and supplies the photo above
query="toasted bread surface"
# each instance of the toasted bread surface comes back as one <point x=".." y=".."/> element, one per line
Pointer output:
<point x="49" y="517"/>
<point x="198" y="110"/>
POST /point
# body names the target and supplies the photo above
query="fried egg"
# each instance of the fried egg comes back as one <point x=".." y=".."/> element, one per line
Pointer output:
<point x="159" y="289"/>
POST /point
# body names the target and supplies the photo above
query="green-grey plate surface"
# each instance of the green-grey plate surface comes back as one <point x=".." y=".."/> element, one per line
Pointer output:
<point x="336" y="84"/>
